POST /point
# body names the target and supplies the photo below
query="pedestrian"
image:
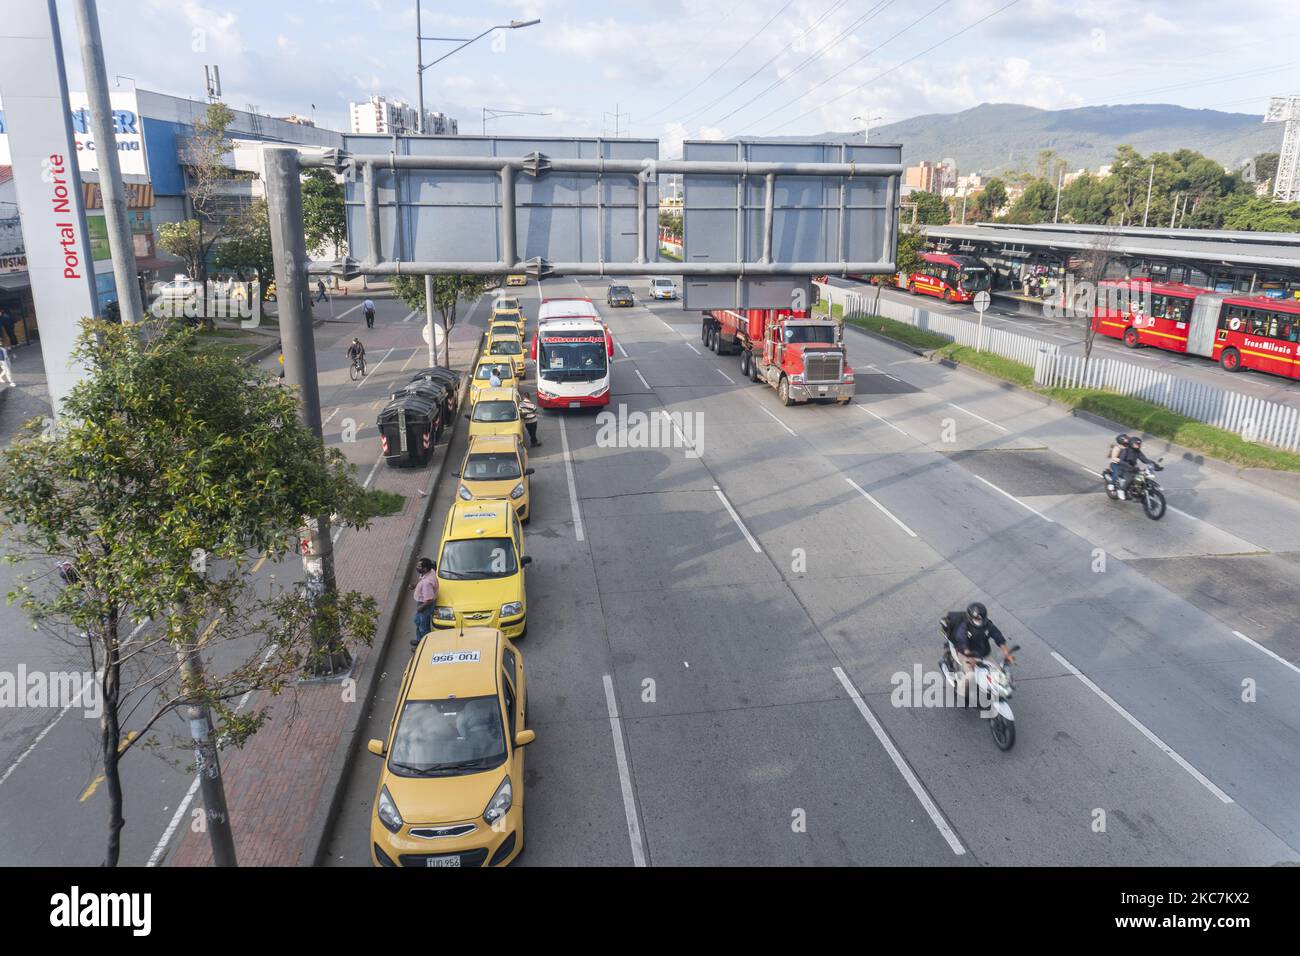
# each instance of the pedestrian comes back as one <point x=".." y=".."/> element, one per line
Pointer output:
<point x="6" y="370"/>
<point x="320" y="291"/>
<point x="7" y="325"/>
<point x="528" y="412"/>
<point x="494" y="377"/>
<point x="368" y="309"/>
<point x="426" y="592"/>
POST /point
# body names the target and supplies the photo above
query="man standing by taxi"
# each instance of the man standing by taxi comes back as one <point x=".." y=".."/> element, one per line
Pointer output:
<point x="426" y="593"/>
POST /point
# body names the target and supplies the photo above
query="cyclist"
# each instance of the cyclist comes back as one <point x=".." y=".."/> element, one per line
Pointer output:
<point x="357" y="354"/>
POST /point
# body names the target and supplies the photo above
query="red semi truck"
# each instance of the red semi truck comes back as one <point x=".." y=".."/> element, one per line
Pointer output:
<point x="802" y="357"/>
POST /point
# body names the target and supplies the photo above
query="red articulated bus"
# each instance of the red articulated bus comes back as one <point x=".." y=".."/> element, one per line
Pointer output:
<point x="1237" y="331"/>
<point x="951" y="278"/>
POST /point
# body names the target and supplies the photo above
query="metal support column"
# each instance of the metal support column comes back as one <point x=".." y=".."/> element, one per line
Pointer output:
<point x="284" y="208"/>
<point x="769" y="215"/>
<point x="374" y="253"/>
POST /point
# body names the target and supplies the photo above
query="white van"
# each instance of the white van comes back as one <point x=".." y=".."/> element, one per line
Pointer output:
<point x="661" y="287"/>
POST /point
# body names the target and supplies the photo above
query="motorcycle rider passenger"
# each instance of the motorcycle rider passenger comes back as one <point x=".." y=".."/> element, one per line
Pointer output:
<point x="1128" y="464"/>
<point x="1116" y="453"/>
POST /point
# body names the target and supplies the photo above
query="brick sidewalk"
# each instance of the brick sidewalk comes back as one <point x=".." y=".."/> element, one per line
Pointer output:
<point x="276" y="784"/>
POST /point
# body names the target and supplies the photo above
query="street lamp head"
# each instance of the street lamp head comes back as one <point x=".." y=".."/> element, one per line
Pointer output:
<point x="516" y="24"/>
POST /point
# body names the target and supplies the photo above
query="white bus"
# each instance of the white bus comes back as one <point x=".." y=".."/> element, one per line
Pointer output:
<point x="574" y="307"/>
<point x="572" y="357"/>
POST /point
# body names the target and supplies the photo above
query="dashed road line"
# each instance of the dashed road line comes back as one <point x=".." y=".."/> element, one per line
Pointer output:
<point x="736" y="518"/>
<point x="1013" y="498"/>
<point x="624" y="776"/>
<point x="883" y="510"/>
<point x="573" y="487"/>
<point x="980" y="417"/>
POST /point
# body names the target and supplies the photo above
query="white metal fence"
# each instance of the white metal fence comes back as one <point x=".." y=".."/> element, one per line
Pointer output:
<point x="1254" y="419"/>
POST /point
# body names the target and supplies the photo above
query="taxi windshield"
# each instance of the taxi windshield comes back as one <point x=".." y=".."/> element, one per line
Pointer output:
<point x="446" y="738"/>
<point x="494" y="466"/>
<point x="505" y="347"/>
<point x="484" y="371"/>
<point x="477" y="559"/>
<point x="496" y="411"/>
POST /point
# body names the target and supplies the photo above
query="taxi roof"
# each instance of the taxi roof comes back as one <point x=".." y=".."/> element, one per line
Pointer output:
<point x="473" y="519"/>
<point x="456" y="663"/>
<point x="503" y="309"/>
<point x="499" y="393"/>
<point x="493" y="443"/>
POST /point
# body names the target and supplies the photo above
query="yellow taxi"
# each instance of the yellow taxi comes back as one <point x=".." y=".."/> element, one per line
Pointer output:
<point x="496" y="413"/>
<point x="504" y="326"/>
<point x="451" y="792"/>
<point x="482" y="379"/>
<point x="517" y="278"/>
<point x="512" y="314"/>
<point x="506" y="345"/>
<point x="480" y="566"/>
<point x="509" y="303"/>
<point x="496" y="467"/>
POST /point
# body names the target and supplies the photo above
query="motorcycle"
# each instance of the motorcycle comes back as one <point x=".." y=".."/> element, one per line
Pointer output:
<point x="1141" y="487"/>
<point x="991" y="682"/>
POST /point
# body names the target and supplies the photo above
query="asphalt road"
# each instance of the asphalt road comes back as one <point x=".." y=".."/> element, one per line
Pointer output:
<point x="52" y="806"/>
<point x="1068" y="336"/>
<point x="714" y="641"/>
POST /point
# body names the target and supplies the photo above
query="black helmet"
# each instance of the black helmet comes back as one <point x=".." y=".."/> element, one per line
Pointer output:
<point x="1135" y="442"/>
<point x="1121" y="439"/>
<point x="976" y="614"/>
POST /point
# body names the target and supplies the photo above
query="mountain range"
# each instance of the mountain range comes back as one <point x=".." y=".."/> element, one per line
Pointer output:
<point x="1002" y="137"/>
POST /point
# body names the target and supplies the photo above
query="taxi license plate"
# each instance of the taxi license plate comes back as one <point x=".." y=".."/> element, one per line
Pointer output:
<point x="575" y="404"/>
<point x="442" y="861"/>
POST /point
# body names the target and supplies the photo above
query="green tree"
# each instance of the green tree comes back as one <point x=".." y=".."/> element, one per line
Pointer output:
<point x="207" y="175"/>
<point x="671" y="221"/>
<point x="1266" y="167"/>
<point x="930" y="208"/>
<point x="448" y="291"/>
<point x="1036" y="204"/>
<point x="170" y="471"/>
<point x="323" y="216"/>
<point x="247" y="247"/>
<point x="991" y="199"/>
<point x="1261" y="214"/>
<point x="184" y="240"/>
<point x="1086" y="200"/>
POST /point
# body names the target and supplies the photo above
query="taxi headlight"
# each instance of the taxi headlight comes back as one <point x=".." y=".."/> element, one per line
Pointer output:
<point x="443" y="613"/>
<point x="500" y="803"/>
<point x="513" y="609"/>
<point x="517" y="491"/>
<point x="387" y="811"/>
<point x="465" y="494"/>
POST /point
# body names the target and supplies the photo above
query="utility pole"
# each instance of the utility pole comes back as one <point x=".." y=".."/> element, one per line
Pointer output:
<point x="1060" y="181"/>
<point x="964" y="193"/>
<point x="129" y="302"/>
<point x="284" y="207"/>
<point x="1151" y="178"/>
<point x="1173" y="215"/>
<point x="419" y="71"/>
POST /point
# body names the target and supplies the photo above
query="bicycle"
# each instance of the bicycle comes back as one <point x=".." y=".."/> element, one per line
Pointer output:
<point x="358" y="369"/>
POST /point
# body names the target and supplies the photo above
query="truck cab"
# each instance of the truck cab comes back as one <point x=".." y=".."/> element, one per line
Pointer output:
<point x="800" y="356"/>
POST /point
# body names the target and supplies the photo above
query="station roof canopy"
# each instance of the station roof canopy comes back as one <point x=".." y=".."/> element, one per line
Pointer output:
<point x="1275" y="250"/>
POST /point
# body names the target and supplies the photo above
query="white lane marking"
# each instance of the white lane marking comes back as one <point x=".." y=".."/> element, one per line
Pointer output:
<point x="883" y="510"/>
<point x="899" y="362"/>
<point x="885" y="420"/>
<point x="624" y="775"/>
<point x="349" y="311"/>
<point x="59" y="716"/>
<point x="370" y="477"/>
<point x="1013" y="498"/>
<point x="573" y="488"/>
<point x="736" y="518"/>
<point x="331" y="416"/>
<point x="894" y="377"/>
<point x="667" y="326"/>
<point x="1260" y="647"/>
<point x="680" y="437"/>
<point x="973" y="415"/>
<point x="410" y="358"/>
<point x="691" y="347"/>
<point x="410" y="316"/>
<point x="623" y="350"/>
<point x="375" y="368"/>
<point x="184" y="806"/>
<point x="777" y="420"/>
<point x="725" y="375"/>
<point x="642" y="378"/>
<point x="1142" y="729"/>
<point x="932" y="811"/>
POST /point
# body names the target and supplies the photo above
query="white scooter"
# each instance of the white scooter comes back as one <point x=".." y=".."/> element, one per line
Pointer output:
<point x="991" y="682"/>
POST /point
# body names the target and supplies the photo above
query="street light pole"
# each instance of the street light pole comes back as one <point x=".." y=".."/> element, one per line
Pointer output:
<point x="421" y="66"/>
<point x="1151" y="178"/>
<point x="1060" y="180"/>
<point x="129" y="302"/>
<point x="489" y="113"/>
<point x="419" y="71"/>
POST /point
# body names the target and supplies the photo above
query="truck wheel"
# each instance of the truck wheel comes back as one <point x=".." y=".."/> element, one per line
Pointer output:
<point x="704" y="332"/>
<point x="783" y="392"/>
<point x="744" y="364"/>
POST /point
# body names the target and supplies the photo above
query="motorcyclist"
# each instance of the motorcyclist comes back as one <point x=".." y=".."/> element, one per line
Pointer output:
<point x="970" y="634"/>
<point x="1129" y="461"/>
<point x="1116" y="452"/>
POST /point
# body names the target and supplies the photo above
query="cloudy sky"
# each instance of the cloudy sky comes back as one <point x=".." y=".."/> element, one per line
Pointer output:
<point x="704" y="68"/>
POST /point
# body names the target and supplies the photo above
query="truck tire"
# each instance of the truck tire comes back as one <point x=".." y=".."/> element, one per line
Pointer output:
<point x="744" y="363"/>
<point x="704" y="332"/>
<point x="783" y="392"/>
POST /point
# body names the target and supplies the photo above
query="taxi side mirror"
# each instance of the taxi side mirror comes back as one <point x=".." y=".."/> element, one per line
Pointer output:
<point x="525" y="737"/>
<point x="377" y="748"/>
<point x="526" y="560"/>
<point x="527" y="471"/>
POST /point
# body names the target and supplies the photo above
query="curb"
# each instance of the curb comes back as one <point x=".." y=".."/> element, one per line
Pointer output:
<point x="274" y="347"/>
<point x="886" y="339"/>
<point x="326" y="812"/>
